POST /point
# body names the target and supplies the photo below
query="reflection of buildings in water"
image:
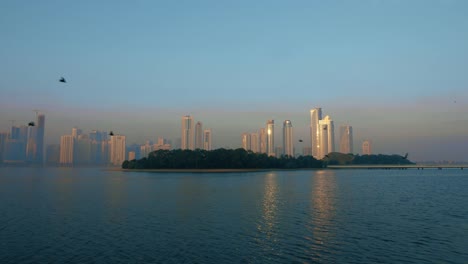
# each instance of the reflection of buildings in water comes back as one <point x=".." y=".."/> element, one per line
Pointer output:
<point x="116" y="197"/>
<point x="269" y="206"/>
<point x="323" y="206"/>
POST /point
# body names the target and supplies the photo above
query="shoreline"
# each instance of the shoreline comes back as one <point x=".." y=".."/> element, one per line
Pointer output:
<point x="207" y="170"/>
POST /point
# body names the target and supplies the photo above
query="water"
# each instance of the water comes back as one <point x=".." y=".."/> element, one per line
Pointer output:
<point x="63" y="215"/>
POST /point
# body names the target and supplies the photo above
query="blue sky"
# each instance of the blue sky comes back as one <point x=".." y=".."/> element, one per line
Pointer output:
<point x="395" y="70"/>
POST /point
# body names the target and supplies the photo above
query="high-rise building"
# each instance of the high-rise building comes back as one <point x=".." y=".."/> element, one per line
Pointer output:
<point x="199" y="135"/>
<point x="66" y="150"/>
<point x="246" y="141"/>
<point x="326" y="136"/>
<point x="131" y="155"/>
<point x="76" y="132"/>
<point x="270" y="138"/>
<point x="315" y="117"/>
<point x="288" y="147"/>
<point x="346" y="139"/>
<point x="187" y="133"/>
<point x="263" y="140"/>
<point x="254" y="142"/>
<point x="31" y="145"/>
<point x="40" y="139"/>
<point x="3" y="140"/>
<point x="117" y="150"/>
<point x="207" y="139"/>
<point x="366" y="147"/>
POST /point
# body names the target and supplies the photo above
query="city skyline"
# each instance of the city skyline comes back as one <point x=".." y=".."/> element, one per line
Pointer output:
<point x="398" y="78"/>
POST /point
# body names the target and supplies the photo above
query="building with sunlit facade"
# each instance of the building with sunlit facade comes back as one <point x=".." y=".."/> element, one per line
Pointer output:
<point x="326" y="136"/>
<point x="366" y="147"/>
<point x="117" y="150"/>
<point x="187" y="133"/>
<point x="207" y="139"/>
<point x="288" y="147"/>
<point x="66" y="150"/>
<point x="346" y="139"/>
<point x="199" y="135"/>
<point x="270" y="138"/>
<point x="315" y="117"/>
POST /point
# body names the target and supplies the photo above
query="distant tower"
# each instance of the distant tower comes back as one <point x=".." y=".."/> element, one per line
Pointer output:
<point x="40" y="138"/>
<point x="66" y="150"/>
<point x="187" y="133"/>
<point x="76" y="132"/>
<point x="254" y="142"/>
<point x="207" y="139"/>
<point x="117" y="150"/>
<point x="270" y="138"/>
<point x="288" y="147"/>
<point x="366" y="147"/>
<point x="198" y="136"/>
<point x="31" y="144"/>
<point x="315" y="117"/>
<point x="246" y="141"/>
<point x="346" y="139"/>
<point x="326" y="136"/>
<point x="263" y="140"/>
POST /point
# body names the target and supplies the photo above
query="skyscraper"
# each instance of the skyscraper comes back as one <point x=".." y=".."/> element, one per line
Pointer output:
<point x="187" y="133"/>
<point x="40" y="138"/>
<point x="246" y="141"/>
<point x="3" y="140"/>
<point x="366" y="147"/>
<point x="326" y="136"/>
<point x="117" y="150"/>
<point x="198" y="136"/>
<point x="31" y="146"/>
<point x="346" y="139"/>
<point x="254" y="142"/>
<point x="66" y="150"/>
<point x="288" y="147"/>
<point x="270" y="138"/>
<point x="263" y="139"/>
<point x="315" y="117"/>
<point x="207" y="139"/>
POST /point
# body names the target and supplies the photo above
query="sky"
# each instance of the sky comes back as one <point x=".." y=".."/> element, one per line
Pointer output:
<point x="395" y="70"/>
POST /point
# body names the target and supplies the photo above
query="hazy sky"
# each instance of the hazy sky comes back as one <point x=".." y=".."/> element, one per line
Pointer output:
<point x="395" y="70"/>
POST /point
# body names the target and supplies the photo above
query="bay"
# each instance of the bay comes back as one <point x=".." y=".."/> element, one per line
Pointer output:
<point x="92" y="215"/>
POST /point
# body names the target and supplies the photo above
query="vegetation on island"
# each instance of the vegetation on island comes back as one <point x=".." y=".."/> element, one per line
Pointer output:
<point x="336" y="158"/>
<point x="219" y="159"/>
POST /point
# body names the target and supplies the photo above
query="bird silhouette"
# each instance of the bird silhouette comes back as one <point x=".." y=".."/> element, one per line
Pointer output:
<point x="62" y="80"/>
<point x="111" y="133"/>
<point x="31" y="124"/>
<point x="300" y="140"/>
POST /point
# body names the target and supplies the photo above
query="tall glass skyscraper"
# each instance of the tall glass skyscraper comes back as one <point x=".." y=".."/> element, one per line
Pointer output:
<point x="270" y="138"/>
<point x="315" y="117"/>
<point x="40" y="139"/>
<point x="288" y="147"/>
<point x="187" y="133"/>
<point x="346" y="139"/>
<point x="198" y="136"/>
<point x="207" y="139"/>
<point x="326" y="137"/>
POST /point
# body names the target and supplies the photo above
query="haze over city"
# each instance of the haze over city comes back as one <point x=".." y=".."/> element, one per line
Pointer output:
<point x="394" y="70"/>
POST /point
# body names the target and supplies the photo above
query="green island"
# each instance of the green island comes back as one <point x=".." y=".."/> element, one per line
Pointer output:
<point x="239" y="159"/>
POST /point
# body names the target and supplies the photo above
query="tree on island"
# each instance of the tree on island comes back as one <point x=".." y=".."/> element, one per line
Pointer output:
<point x="336" y="158"/>
<point x="219" y="159"/>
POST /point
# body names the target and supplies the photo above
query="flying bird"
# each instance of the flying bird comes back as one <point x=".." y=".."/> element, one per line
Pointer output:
<point x="62" y="80"/>
<point x="300" y="140"/>
<point x="111" y="133"/>
<point x="31" y="124"/>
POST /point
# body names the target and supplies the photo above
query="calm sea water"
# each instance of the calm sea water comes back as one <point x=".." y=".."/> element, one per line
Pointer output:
<point x="63" y="215"/>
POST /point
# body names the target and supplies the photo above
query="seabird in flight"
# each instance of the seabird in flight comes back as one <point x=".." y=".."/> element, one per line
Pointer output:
<point x="62" y="80"/>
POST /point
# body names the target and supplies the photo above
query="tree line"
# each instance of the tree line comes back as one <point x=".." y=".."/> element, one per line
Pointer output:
<point x="219" y="159"/>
